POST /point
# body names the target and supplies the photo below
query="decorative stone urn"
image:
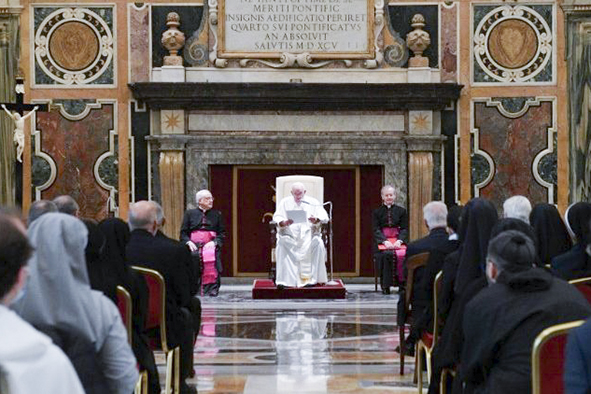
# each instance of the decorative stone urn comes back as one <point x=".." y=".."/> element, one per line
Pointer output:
<point x="418" y="40"/>
<point x="173" y="39"/>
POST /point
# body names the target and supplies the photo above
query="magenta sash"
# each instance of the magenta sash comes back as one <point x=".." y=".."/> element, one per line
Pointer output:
<point x="210" y="273"/>
<point x="392" y="232"/>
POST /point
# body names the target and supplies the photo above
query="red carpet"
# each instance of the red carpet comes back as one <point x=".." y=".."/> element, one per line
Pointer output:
<point x="265" y="289"/>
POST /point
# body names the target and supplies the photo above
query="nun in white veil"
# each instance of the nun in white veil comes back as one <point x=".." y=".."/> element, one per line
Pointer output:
<point x="59" y="302"/>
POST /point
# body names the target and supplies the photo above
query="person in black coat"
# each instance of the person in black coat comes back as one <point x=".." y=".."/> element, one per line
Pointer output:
<point x="576" y="263"/>
<point x="119" y="273"/>
<point x="146" y="250"/>
<point x="423" y="295"/>
<point x="452" y="309"/>
<point x="551" y="232"/>
<point x="435" y="217"/>
<point x="388" y="219"/>
<point x="503" y="320"/>
<point x="577" y="363"/>
<point x="203" y="231"/>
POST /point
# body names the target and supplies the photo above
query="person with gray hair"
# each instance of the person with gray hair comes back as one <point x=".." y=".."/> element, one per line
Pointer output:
<point x="435" y="218"/>
<point x="40" y="207"/>
<point x="389" y="223"/>
<point x="66" y="204"/>
<point x="517" y="207"/>
<point x="502" y="321"/>
<point x="183" y="311"/>
<point x="203" y="231"/>
<point x="300" y="251"/>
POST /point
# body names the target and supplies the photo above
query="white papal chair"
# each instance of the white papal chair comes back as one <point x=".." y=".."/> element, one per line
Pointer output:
<point x="314" y="188"/>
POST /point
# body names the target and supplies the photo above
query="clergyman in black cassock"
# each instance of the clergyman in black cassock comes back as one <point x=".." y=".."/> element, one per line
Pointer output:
<point x="388" y="216"/>
<point x="204" y="219"/>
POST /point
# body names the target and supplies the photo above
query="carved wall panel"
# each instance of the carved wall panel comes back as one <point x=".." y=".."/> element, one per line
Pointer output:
<point x="513" y="44"/>
<point x="75" y="152"/>
<point x="514" y="149"/>
<point x="73" y="46"/>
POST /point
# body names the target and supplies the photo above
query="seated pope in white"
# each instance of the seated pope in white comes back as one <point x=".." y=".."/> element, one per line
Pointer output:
<point x="300" y="252"/>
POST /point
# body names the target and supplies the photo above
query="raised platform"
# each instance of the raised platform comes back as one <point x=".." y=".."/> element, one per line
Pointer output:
<point x="265" y="289"/>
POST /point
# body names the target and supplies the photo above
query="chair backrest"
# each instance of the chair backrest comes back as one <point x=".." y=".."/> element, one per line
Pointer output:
<point x="548" y="358"/>
<point x="436" y="291"/>
<point x="156" y="317"/>
<point x="412" y="263"/>
<point x="314" y="186"/>
<point x="125" y="309"/>
<point x="584" y="286"/>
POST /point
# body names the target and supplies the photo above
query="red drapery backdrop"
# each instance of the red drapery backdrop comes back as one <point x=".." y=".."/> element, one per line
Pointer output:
<point x="251" y="186"/>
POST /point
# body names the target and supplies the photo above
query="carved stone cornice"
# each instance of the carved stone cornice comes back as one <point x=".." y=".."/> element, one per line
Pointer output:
<point x="169" y="143"/>
<point x="11" y="10"/>
<point x="424" y="143"/>
<point x="296" y="96"/>
<point x="575" y="8"/>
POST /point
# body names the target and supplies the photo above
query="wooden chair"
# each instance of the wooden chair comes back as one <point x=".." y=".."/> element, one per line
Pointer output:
<point x="443" y="381"/>
<point x="428" y="340"/>
<point x="141" y="387"/>
<point x="548" y="358"/>
<point x="125" y="309"/>
<point x="156" y="319"/>
<point x="412" y="263"/>
<point x="584" y="286"/>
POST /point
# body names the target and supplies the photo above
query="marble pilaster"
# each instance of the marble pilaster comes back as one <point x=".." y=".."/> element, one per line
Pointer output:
<point x="172" y="185"/>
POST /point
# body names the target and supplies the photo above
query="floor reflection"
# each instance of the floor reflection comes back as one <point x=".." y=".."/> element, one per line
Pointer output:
<point x="248" y="346"/>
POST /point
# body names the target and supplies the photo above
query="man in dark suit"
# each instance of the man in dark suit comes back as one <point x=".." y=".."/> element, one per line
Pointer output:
<point x="435" y="217"/>
<point x="388" y="220"/>
<point x="146" y="250"/>
<point x="203" y="232"/>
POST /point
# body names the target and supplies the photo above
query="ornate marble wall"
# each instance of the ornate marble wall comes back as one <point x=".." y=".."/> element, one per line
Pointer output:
<point x="75" y="153"/>
<point x="514" y="149"/>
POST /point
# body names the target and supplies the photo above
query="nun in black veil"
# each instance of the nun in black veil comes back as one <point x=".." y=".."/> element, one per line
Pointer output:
<point x="576" y="263"/>
<point x="463" y="272"/>
<point x="551" y="233"/>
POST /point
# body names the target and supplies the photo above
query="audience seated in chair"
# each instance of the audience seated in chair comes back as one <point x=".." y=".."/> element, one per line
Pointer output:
<point x="517" y="207"/>
<point x="577" y="366"/>
<point x="29" y="361"/>
<point x="423" y="286"/>
<point x="39" y="208"/>
<point x="552" y="235"/>
<point x="119" y="273"/>
<point x="462" y="266"/>
<point x="183" y="312"/>
<point x="59" y="302"/>
<point x="300" y="250"/>
<point x="503" y="320"/>
<point x="576" y="263"/>
<point x="389" y="223"/>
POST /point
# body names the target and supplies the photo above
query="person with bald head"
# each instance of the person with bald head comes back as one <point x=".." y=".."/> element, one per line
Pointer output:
<point x="203" y="232"/>
<point x="146" y="250"/>
<point x="66" y="204"/>
<point x="300" y="251"/>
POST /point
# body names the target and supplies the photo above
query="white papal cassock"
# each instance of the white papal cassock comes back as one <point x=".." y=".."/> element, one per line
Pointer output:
<point x="300" y="252"/>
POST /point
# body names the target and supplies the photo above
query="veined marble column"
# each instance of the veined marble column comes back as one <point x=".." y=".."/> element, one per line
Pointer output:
<point x="420" y="190"/>
<point x="422" y="141"/>
<point x="172" y="185"/>
<point x="172" y="170"/>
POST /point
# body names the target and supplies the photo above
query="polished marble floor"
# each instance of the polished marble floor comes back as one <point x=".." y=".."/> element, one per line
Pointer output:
<point x="299" y="346"/>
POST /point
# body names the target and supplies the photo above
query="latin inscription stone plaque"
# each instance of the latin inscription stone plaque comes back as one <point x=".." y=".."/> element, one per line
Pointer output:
<point x="327" y="29"/>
